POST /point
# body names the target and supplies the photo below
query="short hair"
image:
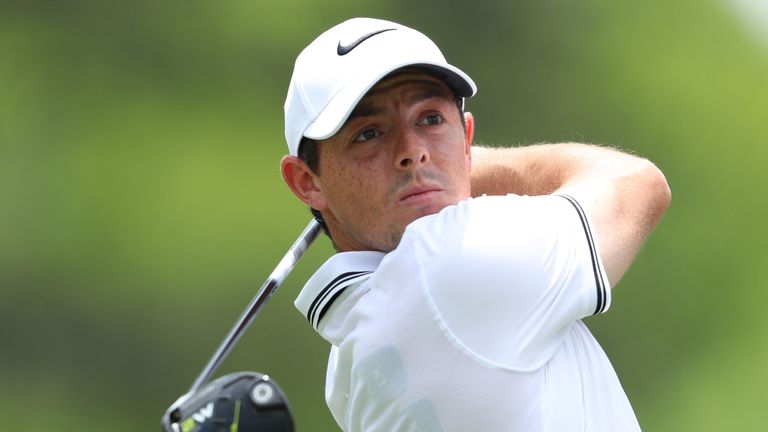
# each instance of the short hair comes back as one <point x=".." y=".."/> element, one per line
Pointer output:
<point x="310" y="154"/>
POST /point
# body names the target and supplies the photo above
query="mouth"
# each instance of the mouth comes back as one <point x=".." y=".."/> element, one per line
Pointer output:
<point x="419" y="194"/>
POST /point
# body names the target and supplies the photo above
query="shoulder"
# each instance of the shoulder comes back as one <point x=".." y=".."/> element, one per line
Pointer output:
<point x="497" y="211"/>
<point x="487" y="228"/>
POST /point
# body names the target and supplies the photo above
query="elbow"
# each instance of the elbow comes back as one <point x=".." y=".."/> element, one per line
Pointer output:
<point x="657" y="193"/>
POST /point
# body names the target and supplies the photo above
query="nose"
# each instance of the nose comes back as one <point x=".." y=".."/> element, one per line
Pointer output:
<point x="412" y="151"/>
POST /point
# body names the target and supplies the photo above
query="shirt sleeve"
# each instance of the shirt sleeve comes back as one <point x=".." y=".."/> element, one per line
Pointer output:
<point x="507" y="276"/>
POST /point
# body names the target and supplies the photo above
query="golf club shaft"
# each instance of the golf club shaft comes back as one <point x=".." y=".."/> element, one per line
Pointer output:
<point x="274" y="280"/>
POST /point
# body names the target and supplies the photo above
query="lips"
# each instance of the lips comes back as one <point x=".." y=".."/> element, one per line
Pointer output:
<point x="418" y="193"/>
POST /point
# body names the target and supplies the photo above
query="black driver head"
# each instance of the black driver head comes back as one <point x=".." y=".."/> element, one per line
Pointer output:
<point x="238" y="402"/>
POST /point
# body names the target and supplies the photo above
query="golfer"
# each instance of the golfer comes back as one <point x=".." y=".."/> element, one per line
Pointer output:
<point x="455" y="300"/>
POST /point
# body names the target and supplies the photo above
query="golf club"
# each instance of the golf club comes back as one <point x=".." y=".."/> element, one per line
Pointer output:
<point x="260" y="389"/>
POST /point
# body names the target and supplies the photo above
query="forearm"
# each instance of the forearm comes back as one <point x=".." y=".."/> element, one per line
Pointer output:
<point x="537" y="169"/>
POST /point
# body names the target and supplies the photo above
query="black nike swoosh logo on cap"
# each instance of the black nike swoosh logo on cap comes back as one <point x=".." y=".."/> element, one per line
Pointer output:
<point x="344" y="49"/>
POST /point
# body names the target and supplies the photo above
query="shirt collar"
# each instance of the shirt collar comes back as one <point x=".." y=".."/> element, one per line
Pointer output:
<point x="341" y="271"/>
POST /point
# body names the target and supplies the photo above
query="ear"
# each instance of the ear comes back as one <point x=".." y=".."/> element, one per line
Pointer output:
<point x="302" y="182"/>
<point x="469" y="120"/>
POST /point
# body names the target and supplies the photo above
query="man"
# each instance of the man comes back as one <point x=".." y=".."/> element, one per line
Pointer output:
<point x="447" y="312"/>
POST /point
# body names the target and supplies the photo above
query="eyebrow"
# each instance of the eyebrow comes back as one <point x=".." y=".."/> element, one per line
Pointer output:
<point x="430" y="90"/>
<point x="364" y="110"/>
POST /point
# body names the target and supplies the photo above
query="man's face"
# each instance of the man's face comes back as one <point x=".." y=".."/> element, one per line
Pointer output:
<point x="402" y="154"/>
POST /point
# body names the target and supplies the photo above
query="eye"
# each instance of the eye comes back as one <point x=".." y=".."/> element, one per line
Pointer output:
<point x="431" y="120"/>
<point x="365" y="135"/>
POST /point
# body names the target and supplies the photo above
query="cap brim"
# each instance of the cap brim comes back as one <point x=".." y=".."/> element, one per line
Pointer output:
<point x="335" y="114"/>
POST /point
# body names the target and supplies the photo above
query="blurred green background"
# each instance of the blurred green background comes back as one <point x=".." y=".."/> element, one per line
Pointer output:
<point x="141" y="204"/>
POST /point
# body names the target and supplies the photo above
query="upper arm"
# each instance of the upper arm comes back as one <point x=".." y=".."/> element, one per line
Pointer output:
<point x="510" y="282"/>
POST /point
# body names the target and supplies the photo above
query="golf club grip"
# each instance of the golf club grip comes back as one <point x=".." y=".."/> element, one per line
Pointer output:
<point x="274" y="280"/>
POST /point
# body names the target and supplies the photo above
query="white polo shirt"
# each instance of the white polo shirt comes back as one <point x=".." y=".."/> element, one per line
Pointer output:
<point x="471" y="324"/>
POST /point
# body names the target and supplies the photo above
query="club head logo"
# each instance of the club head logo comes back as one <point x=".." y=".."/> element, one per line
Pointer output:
<point x="197" y="418"/>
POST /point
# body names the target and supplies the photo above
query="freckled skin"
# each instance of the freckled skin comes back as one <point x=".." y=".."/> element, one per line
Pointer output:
<point x="407" y="142"/>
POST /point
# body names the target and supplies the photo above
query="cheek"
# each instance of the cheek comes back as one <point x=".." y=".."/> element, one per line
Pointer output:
<point x="454" y="155"/>
<point x="353" y="193"/>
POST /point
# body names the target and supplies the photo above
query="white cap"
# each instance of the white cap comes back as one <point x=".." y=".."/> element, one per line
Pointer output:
<point x="338" y="68"/>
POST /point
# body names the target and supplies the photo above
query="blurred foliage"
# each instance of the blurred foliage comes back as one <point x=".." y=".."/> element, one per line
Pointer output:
<point x="142" y="204"/>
